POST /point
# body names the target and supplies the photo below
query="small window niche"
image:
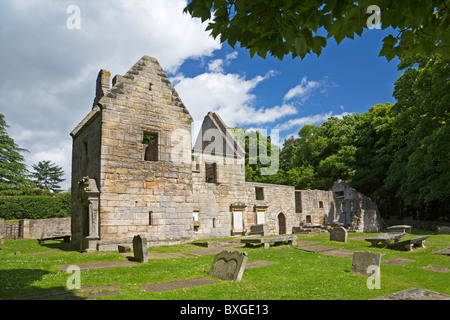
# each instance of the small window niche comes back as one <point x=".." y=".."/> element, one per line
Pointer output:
<point x="196" y="222"/>
<point x="259" y="193"/>
<point x="320" y="204"/>
<point x="211" y="172"/>
<point x="308" y="219"/>
<point x="150" y="218"/>
<point x="339" y="194"/>
<point x="150" y="140"/>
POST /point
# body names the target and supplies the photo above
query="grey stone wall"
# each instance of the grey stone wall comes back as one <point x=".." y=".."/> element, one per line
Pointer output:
<point x="44" y="228"/>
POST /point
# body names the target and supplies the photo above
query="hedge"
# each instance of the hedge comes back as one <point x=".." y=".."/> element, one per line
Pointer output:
<point x="35" y="207"/>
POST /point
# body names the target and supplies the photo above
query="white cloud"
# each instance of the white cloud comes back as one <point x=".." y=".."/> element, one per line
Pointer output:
<point x="49" y="71"/>
<point x="230" y="95"/>
<point x="306" y="88"/>
<point x="312" y="119"/>
<point x="217" y="65"/>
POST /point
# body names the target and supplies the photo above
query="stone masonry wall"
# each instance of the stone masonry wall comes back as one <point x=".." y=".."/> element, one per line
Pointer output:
<point x="278" y="200"/>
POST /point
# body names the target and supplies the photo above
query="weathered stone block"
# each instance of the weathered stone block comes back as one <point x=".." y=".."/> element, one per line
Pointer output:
<point x="229" y="265"/>
<point x="338" y="234"/>
<point x="363" y="260"/>
<point x="140" y="248"/>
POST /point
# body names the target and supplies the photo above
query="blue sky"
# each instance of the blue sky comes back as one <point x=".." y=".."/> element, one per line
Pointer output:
<point x="47" y="83"/>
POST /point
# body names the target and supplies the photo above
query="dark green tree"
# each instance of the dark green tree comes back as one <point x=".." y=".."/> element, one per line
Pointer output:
<point x="47" y="176"/>
<point x="14" y="176"/>
<point x="304" y="27"/>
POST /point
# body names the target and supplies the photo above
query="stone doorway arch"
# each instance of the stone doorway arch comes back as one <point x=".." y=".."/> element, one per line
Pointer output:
<point x="281" y="223"/>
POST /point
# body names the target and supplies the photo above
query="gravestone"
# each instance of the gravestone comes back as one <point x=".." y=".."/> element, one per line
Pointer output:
<point x="260" y="229"/>
<point x="140" y="248"/>
<point x="443" y="230"/>
<point x="123" y="249"/>
<point x="338" y="234"/>
<point x="229" y="265"/>
<point x="363" y="260"/>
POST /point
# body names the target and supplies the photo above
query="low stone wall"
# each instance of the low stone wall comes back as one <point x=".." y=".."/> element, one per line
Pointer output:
<point x="418" y="224"/>
<point x="45" y="228"/>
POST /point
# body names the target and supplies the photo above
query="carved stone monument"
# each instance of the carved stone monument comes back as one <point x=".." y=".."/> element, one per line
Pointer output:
<point x="140" y="248"/>
<point x="90" y="198"/>
<point x="260" y="229"/>
<point x="338" y="234"/>
<point x="363" y="260"/>
<point x="229" y="265"/>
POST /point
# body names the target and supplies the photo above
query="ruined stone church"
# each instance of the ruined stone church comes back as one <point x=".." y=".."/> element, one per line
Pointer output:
<point x="134" y="171"/>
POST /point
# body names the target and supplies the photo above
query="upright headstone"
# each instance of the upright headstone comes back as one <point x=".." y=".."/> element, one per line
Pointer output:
<point x="140" y="248"/>
<point x="363" y="260"/>
<point x="260" y="229"/>
<point x="338" y="234"/>
<point x="229" y="265"/>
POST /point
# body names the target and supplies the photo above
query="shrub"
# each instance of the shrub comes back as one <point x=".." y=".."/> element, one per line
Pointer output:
<point x="35" y="207"/>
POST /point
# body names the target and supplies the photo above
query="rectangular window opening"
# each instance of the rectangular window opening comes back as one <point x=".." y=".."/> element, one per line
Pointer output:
<point x="211" y="173"/>
<point x="298" y="202"/>
<point x="151" y="149"/>
<point x="320" y="204"/>
<point x="150" y="218"/>
<point x="259" y="193"/>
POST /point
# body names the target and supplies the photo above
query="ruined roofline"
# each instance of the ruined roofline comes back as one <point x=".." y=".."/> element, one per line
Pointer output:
<point x="90" y="117"/>
<point x="231" y="144"/>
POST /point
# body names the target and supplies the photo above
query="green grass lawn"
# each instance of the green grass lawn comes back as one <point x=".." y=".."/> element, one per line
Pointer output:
<point x="297" y="275"/>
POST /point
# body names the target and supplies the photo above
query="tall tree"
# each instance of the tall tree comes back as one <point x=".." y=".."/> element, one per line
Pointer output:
<point x="303" y="27"/>
<point x="14" y="176"/>
<point x="47" y="176"/>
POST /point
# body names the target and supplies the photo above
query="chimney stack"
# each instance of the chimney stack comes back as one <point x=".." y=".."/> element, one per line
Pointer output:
<point x="103" y="81"/>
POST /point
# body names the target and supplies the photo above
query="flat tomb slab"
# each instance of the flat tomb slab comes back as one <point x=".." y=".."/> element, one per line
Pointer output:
<point x="442" y="251"/>
<point x="305" y="243"/>
<point x="209" y="251"/>
<point x="259" y="263"/>
<point x="338" y="253"/>
<point x="98" y="265"/>
<point x="414" y="294"/>
<point x="262" y="240"/>
<point x="178" y="284"/>
<point x="397" y="262"/>
<point x="156" y="255"/>
<point x="437" y="269"/>
<point x="318" y="248"/>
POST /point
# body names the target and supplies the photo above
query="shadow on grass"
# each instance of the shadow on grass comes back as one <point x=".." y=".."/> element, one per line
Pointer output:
<point x="17" y="284"/>
<point x="60" y="245"/>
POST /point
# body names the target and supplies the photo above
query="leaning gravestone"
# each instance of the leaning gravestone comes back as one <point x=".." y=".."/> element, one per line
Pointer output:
<point x="229" y="265"/>
<point x="260" y="229"/>
<point x="338" y="234"/>
<point x="140" y="248"/>
<point x="363" y="260"/>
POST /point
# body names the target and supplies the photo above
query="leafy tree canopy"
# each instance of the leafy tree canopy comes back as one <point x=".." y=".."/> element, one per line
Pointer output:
<point x="304" y="27"/>
<point x="14" y="176"/>
<point x="47" y="176"/>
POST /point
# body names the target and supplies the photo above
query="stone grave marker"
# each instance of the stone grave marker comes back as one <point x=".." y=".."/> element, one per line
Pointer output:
<point x="443" y="230"/>
<point x="338" y="234"/>
<point x="140" y="248"/>
<point x="229" y="265"/>
<point x="260" y="229"/>
<point x="363" y="260"/>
